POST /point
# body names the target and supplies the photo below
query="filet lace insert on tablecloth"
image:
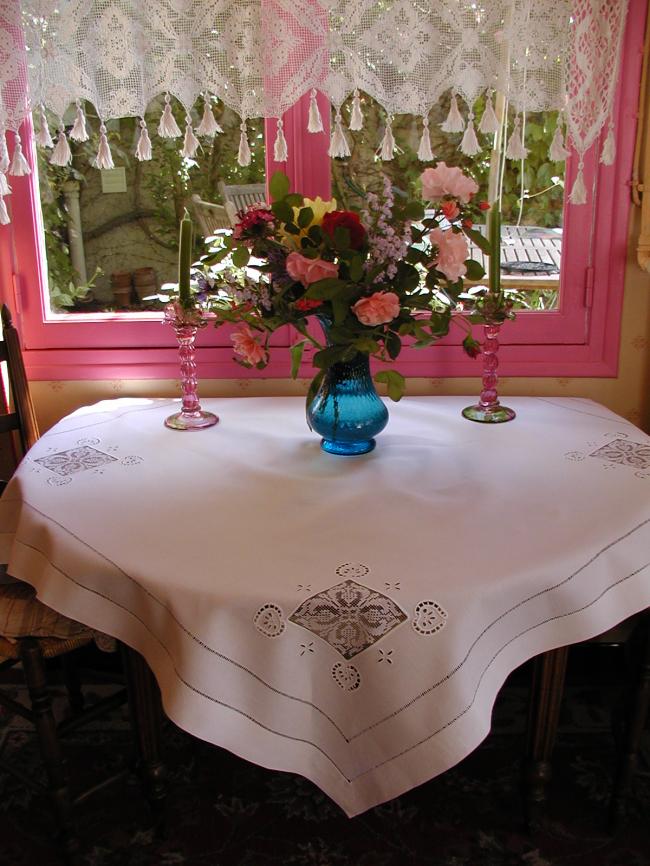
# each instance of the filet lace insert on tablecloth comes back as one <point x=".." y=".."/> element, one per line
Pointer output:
<point x="349" y="616"/>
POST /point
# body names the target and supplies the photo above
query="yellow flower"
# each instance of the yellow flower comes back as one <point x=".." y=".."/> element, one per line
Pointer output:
<point x="320" y="208"/>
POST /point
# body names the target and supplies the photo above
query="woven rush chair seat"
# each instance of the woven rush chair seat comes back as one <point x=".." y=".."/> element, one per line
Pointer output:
<point x="23" y="615"/>
<point x="50" y="646"/>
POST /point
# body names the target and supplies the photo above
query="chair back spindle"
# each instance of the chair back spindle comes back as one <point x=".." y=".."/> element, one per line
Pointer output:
<point x="19" y="414"/>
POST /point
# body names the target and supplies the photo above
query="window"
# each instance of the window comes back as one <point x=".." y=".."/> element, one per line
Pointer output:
<point x="576" y="336"/>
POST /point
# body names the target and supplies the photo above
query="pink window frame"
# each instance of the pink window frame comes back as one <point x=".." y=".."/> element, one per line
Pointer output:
<point x="579" y="339"/>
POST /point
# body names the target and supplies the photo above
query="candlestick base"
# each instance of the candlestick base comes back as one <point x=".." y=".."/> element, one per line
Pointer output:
<point x="489" y="414"/>
<point x="191" y="420"/>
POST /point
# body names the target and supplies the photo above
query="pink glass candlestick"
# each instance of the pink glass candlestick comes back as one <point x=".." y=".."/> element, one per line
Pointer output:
<point x="191" y="416"/>
<point x="488" y="410"/>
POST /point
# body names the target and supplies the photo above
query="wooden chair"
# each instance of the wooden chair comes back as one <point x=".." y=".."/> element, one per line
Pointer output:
<point x="31" y="633"/>
<point x="547" y="690"/>
<point x="211" y="217"/>
<point x="237" y="197"/>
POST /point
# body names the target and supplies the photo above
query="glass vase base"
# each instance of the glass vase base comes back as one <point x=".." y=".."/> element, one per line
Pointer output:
<point x="191" y="420"/>
<point x="489" y="414"/>
<point x="334" y="446"/>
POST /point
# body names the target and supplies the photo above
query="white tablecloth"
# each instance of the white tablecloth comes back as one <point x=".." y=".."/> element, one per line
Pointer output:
<point x="350" y="619"/>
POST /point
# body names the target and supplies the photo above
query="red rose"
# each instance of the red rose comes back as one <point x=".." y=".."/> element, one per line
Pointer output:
<point x="484" y="205"/>
<point x="450" y="209"/>
<point x="467" y="224"/>
<point x="347" y="220"/>
<point x="306" y="304"/>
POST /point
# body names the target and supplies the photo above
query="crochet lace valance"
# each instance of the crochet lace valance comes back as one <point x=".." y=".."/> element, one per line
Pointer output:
<point x="260" y="56"/>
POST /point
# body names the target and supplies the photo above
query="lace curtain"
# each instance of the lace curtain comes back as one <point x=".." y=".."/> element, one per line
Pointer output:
<point x="260" y="56"/>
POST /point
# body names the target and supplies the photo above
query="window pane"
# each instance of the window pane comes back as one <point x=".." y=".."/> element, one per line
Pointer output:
<point x="111" y="237"/>
<point x="533" y="198"/>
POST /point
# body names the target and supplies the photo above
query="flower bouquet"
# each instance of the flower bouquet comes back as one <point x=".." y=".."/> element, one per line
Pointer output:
<point x="388" y="275"/>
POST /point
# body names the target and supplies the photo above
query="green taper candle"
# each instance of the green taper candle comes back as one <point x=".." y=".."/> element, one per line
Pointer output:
<point x="185" y="261"/>
<point x="494" y="237"/>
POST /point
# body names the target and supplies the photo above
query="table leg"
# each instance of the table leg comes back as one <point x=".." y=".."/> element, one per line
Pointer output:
<point x="55" y="766"/>
<point x="635" y="723"/>
<point x="146" y="715"/>
<point x="546" y="693"/>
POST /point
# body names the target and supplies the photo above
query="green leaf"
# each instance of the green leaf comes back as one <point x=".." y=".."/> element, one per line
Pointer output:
<point x="408" y="277"/>
<point x="282" y="211"/>
<point x="432" y="279"/>
<point x="279" y="185"/>
<point x="316" y="234"/>
<point x="240" y="257"/>
<point x="355" y="268"/>
<point x="291" y="228"/>
<point x="296" y="357"/>
<point x="415" y="255"/>
<point x="475" y="271"/>
<point x="305" y="217"/>
<point x="331" y="355"/>
<point x="325" y="290"/>
<point x="215" y="258"/>
<point x="294" y="199"/>
<point x="393" y="344"/>
<point x="414" y="210"/>
<point x="340" y="308"/>
<point x="480" y="240"/>
<point x="366" y="344"/>
<point x="314" y="385"/>
<point x="395" y="382"/>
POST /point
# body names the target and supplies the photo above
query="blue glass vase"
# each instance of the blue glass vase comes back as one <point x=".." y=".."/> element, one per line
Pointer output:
<point x="346" y="410"/>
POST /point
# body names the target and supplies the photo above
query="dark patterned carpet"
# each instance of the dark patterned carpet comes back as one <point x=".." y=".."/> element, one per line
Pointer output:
<point x="225" y="812"/>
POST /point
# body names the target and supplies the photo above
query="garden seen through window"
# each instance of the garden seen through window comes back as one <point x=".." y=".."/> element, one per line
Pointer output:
<point x="111" y="236"/>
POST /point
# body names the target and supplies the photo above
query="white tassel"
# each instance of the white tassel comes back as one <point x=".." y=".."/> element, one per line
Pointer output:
<point x="425" y="154"/>
<point x="244" y="155"/>
<point x="5" y="189"/>
<point x="4" y="153"/>
<point x="79" y="131"/>
<point x="469" y="145"/>
<point x="280" y="152"/>
<point x="315" y="122"/>
<point x="609" y="147"/>
<point x="579" y="191"/>
<point x="339" y="147"/>
<point x="4" y="213"/>
<point x="387" y="148"/>
<point x="356" y="117"/>
<point x="516" y="149"/>
<point x="61" y="155"/>
<point x="208" y="125"/>
<point x="557" y="152"/>
<point x="143" y="147"/>
<point x="191" y="142"/>
<point x="104" y="158"/>
<point x="454" y="122"/>
<point x="43" y="137"/>
<point x="168" y="128"/>
<point x="489" y="124"/>
<point x="19" y="165"/>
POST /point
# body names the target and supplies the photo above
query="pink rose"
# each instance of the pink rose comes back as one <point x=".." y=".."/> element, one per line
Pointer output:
<point x="247" y="347"/>
<point x="452" y="252"/>
<point x="377" y="309"/>
<point x="308" y="271"/>
<point x="447" y="180"/>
